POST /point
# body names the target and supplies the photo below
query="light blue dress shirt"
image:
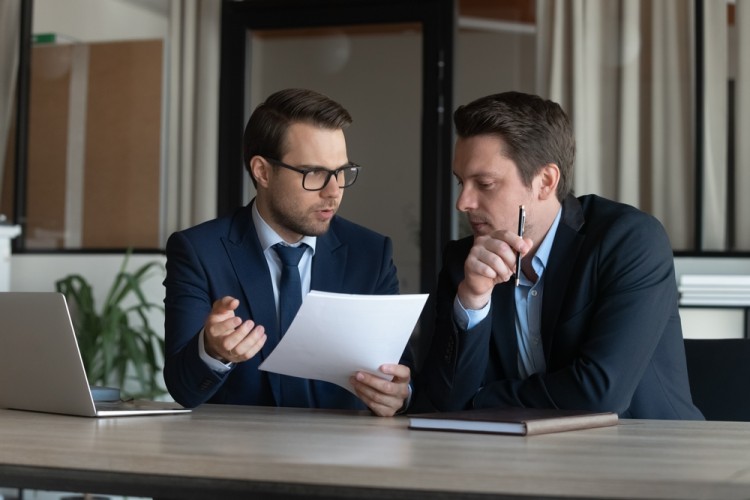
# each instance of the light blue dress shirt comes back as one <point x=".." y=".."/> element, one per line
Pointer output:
<point x="528" y="310"/>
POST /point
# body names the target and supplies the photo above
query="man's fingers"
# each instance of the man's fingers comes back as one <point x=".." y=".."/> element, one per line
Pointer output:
<point x="224" y="305"/>
<point x="401" y="373"/>
<point x="383" y="397"/>
<point x="381" y="404"/>
<point x="221" y="320"/>
<point x="493" y="257"/>
<point x="245" y="342"/>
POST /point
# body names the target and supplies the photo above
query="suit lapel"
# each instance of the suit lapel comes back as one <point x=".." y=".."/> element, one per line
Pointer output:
<point x="560" y="267"/>
<point x="329" y="262"/>
<point x="249" y="263"/>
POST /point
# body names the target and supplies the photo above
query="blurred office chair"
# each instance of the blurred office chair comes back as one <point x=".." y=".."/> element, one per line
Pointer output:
<point x="719" y="371"/>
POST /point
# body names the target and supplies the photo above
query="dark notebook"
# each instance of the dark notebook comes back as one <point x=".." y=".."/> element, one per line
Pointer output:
<point x="519" y="421"/>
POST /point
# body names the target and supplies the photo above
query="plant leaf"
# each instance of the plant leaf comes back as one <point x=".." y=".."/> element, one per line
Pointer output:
<point x="118" y="345"/>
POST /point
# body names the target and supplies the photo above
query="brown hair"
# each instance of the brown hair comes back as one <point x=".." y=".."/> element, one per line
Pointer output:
<point x="534" y="131"/>
<point x="266" y="129"/>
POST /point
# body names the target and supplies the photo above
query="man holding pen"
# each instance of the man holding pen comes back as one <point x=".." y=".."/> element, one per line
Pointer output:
<point x="593" y="323"/>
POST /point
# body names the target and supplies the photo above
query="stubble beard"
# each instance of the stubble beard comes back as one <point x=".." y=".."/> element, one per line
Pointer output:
<point x="297" y="222"/>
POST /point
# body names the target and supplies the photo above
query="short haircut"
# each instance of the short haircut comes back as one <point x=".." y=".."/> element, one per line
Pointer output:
<point x="534" y="132"/>
<point x="266" y="129"/>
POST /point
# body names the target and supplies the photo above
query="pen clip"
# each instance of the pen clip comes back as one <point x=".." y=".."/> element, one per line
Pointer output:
<point x="521" y="219"/>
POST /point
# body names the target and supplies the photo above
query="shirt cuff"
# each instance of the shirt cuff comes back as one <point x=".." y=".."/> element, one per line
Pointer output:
<point x="214" y="364"/>
<point x="466" y="319"/>
<point x="406" y="404"/>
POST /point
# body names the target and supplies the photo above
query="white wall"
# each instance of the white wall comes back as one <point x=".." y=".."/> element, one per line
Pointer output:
<point x="711" y="265"/>
<point x="712" y="322"/>
<point x="102" y="20"/>
<point x="39" y="272"/>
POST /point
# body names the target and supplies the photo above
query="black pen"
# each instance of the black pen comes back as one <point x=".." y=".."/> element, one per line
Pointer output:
<point x="521" y="224"/>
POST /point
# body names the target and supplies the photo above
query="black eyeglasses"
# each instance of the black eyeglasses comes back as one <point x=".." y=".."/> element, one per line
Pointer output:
<point x="316" y="178"/>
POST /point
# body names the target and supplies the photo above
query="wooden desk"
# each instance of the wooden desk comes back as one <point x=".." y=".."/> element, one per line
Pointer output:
<point x="225" y="452"/>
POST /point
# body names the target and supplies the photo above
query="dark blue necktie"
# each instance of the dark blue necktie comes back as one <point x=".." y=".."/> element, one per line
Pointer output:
<point x="290" y="286"/>
<point x="294" y="391"/>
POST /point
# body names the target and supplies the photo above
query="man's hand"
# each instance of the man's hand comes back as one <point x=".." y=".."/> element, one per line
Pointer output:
<point x="227" y="337"/>
<point x="383" y="397"/>
<point x="492" y="260"/>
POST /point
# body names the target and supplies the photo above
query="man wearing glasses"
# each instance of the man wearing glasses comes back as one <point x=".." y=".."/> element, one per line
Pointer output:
<point x="227" y="299"/>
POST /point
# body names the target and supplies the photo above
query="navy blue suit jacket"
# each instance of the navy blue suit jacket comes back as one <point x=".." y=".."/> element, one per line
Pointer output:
<point x="610" y="325"/>
<point x="224" y="257"/>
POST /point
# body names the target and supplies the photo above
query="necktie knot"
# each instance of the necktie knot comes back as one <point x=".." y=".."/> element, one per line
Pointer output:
<point x="290" y="256"/>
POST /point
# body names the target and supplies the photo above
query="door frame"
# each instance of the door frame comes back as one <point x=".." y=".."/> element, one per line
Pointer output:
<point x="437" y="19"/>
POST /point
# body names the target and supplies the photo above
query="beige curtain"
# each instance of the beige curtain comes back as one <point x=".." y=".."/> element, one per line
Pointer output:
<point x="714" y="126"/>
<point x="193" y="90"/>
<point x="622" y="69"/>
<point x="10" y="18"/>
<point x="742" y="123"/>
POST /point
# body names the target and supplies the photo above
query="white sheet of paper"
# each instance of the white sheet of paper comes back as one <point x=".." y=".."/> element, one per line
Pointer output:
<point x="335" y="335"/>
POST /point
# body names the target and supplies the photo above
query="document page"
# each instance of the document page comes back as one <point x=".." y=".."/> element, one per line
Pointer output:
<point x="335" y="335"/>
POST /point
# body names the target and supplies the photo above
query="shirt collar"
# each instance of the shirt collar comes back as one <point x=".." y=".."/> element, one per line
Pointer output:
<point x="268" y="237"/>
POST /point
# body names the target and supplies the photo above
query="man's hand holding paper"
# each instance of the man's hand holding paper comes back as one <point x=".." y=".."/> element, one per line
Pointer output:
<point x="384" y="397"/>
<point x="354" y="341"/>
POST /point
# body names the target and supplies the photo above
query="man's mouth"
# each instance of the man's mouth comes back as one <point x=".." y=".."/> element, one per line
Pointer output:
<point x="326" y="212"/>
<point x="479" y="226"/>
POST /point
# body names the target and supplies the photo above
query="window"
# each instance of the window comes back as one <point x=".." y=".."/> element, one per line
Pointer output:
<point x="95" y="126"/>
<point x="657" y="91"/>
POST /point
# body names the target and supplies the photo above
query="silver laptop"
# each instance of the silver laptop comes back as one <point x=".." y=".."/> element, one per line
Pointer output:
<point x="40" y="364"/>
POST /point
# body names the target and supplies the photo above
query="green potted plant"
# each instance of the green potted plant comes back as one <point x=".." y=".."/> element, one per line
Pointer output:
<point x="117" y="343"/>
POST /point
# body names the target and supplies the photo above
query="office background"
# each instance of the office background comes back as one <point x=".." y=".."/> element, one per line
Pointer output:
<point x="125" y="111"/>
<point x="125" y="116"/>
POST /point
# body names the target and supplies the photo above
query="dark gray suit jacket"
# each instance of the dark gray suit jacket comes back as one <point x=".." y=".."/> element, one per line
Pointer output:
<point x="224" y="257"/>
<point x="610" y="325"/>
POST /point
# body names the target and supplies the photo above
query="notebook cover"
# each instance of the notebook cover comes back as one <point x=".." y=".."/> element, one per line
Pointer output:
<point x="518" y="421"/>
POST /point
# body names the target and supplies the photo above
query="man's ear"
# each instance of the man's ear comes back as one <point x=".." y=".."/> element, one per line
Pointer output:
<point x="548" y="179"/>
<point x="259" y="168"/>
